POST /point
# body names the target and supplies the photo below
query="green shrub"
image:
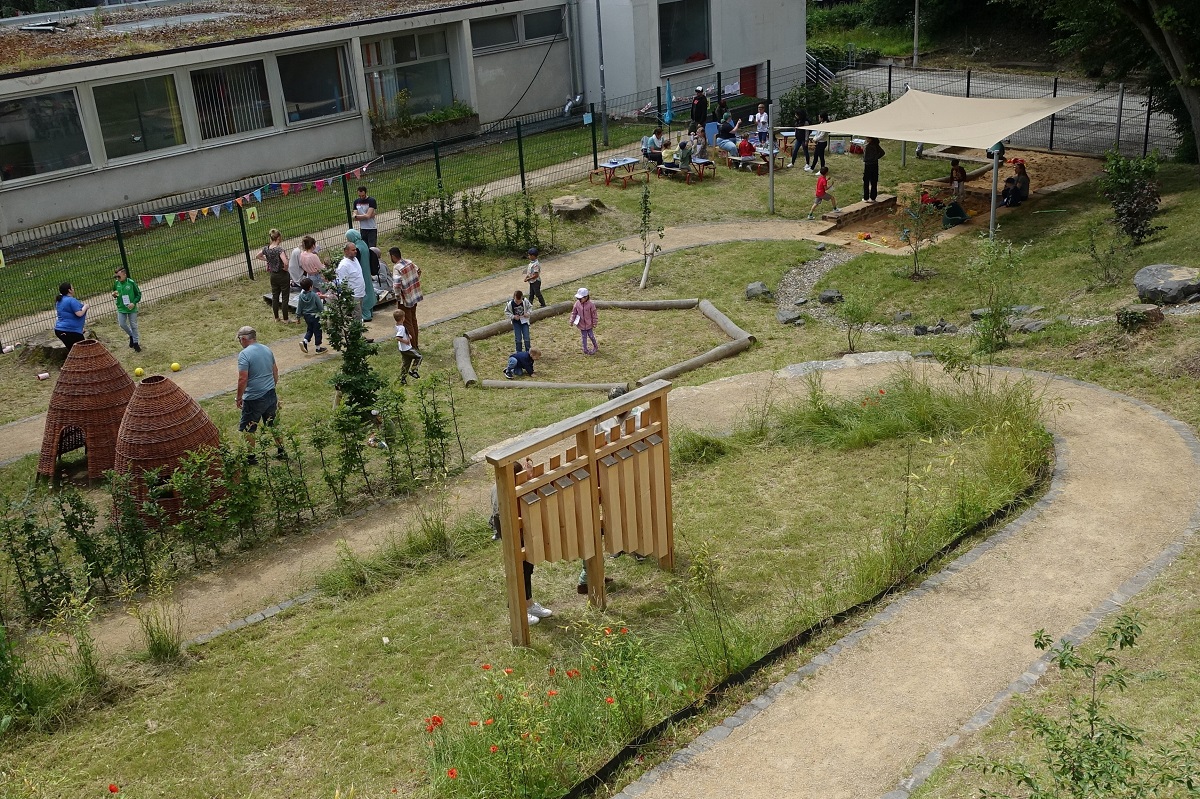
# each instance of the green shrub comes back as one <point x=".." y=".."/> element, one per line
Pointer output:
<point x="689" y="448"/>
<point x="1130" y="187"/>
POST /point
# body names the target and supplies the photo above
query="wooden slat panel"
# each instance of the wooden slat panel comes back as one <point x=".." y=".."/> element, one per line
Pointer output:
<point x="533" y="532"/>
<point x="610" y="501"/>
<point x="660" y="477"/>
<point x="628" y="505"/>
<point x="642" y="497"/>
<point x="566" y="513"/>
<point x="551" y="520"/>
<point x="583" y="514"/>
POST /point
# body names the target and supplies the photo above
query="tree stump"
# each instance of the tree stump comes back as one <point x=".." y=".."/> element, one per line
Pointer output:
<point x="574" y="208"/>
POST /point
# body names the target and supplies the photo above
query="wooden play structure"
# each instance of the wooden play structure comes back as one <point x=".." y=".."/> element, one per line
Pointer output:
<point x="599" y="482"/>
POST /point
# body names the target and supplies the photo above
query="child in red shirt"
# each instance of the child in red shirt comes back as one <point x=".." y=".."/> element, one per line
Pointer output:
<point x="822" y="192"/>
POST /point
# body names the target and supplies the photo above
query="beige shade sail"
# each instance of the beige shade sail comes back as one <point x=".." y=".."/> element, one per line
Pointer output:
<point x="974" y="122"/>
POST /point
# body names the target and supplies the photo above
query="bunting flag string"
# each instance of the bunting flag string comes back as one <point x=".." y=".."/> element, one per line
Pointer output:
<point x="254" y="196"/>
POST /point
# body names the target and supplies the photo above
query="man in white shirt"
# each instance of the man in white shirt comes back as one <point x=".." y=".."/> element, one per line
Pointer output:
<point x="349" y="272"/>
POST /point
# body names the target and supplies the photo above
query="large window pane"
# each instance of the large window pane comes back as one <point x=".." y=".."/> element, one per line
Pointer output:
<point x="428" y="85"/>
<point x="40" y="134"/>
<point x="139" y="116"/>
<point x="683" y="28"/>
<point x="543" y="24"/>
<point x="404" y="49"/>
<point x="315" y="84"/>
<point x="232" y="99"/>
<point x="493" y="31"/>
<point x="433" y="44"/>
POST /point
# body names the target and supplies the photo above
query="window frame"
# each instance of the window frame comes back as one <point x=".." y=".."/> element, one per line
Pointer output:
<point x="387" y="63"/>
<point x="183" y="102"/>
<point x="351" y="96"/>
<point x="684" y="66"/>
<point x="522" y="40"/>
<point x="274" y="102"/>
<point x="91" y="165"/>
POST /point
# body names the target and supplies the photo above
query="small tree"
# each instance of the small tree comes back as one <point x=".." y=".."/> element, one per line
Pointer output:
<point x="1086" y="751"/>
<point x="1109" y="252"/>
<point x="646" y="232"/>
<point x="856" y="315"/>
<point x="1129" y="185"/>
<point x="917" y="224"/>
<point x="993" y="272"/>
<point x="357" y="382"/>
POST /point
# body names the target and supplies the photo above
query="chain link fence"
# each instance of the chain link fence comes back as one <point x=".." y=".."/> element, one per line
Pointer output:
<point x="190" y="241"/>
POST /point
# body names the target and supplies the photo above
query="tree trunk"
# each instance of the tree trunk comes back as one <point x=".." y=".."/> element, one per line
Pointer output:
<point x="1174" y="53"/>
<point x="646" y="271"/>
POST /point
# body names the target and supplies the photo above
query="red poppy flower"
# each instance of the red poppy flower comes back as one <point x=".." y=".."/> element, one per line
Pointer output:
<point x="881" y="391"/>
<point x="508" y="671"/>
<point x="436" y="720"/>
<point x="524" y="736"/>
<point x="624" y="631"/>
<point x="608" y="630"/>
<point x="552" y="671"/>
<point x="452" y="773"/>
<point x="499" y="697"/>
<point x="428" y="728"/>
<point x="486" y="667"/>
<point x="494" y="749"/>
<point x="488" y="722"/>
<point x="552" y="693"/>
<point x="572" y="673"/>
<point x="112" y="787"/>
<point x="474" y="723"/>
<point x="610" y="700"/>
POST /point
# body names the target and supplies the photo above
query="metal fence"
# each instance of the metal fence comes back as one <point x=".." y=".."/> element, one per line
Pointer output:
<point x="190" y="241"/>
<point x="1108" y="117"/>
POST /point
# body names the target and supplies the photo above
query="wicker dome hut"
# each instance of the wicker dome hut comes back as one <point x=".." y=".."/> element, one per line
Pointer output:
<point x="86" y="408"/>
<point x="161" y="425"/>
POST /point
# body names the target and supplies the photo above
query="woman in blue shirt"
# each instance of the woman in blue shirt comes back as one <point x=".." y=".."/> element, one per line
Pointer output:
<point x="71" y="315"/>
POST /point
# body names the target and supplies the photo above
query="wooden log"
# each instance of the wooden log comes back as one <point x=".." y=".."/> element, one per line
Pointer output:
<point x="550" y="384"/>
<point x="647" y="305"/>
<point x="726" y="350"/>
<point x="724" y="322"/>
<point x="505" y="326"/>
<point x="462" y="357"/>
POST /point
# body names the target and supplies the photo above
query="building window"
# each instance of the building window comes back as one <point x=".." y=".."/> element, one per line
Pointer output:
<point x="232" y="99"/>
<point x="543" y="24"/>
<point x="41" y="134"/>
<point x="493" y="32"/>
<point x="683" y="32"/>
<point x="316" y="83"/>
<point x="139" y="116"/>
<point x="418" y="64"/>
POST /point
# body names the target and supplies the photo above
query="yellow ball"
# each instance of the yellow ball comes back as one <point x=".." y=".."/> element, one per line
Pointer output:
<point x="138" y="372"/>
<point x="175" y="367"/>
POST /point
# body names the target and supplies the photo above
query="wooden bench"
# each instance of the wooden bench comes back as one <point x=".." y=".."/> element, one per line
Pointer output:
<point x="671" y="170"/>
<point x="627" y="177"/>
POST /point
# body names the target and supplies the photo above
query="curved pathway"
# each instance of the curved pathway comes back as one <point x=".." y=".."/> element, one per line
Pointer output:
<point x="871" y="716"/>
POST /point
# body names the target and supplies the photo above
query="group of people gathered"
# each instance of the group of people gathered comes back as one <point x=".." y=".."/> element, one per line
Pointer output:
<point x="518" y="311"/>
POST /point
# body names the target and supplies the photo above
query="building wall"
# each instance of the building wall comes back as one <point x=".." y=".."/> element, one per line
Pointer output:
<point x="519" y="81"/>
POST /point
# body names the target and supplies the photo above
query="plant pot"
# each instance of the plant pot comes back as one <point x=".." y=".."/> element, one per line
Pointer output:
<point x="421" y="135"/>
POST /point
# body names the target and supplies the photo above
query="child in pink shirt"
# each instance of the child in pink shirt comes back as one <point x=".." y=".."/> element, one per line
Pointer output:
<point x="822" y="193"/>
<point x="583" y="316"/>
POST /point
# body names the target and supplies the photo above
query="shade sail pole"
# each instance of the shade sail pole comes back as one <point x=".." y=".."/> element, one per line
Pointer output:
<point x="995" y="188"/>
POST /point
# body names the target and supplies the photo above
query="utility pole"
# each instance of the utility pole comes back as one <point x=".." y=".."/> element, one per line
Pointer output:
<point x="603" y="96"/>
<point x="916" y="33"/>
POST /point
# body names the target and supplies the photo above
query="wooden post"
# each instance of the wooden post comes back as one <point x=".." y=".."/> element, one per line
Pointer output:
<point x="514" y="558"/>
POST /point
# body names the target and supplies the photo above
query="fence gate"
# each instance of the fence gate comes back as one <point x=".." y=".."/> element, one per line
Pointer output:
<point x="599" y="482"/>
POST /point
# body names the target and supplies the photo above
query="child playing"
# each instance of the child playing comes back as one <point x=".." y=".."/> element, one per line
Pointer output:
<point x="746" y="150"/>
<point x="534" y="612"/>
<point x="411" y="359"/>
<point x="517" y="311"/>
<point x="583" y="316"/>
<point x="521" y="363"/>
<point x="822" y="193"/>
<point x="533" y="276"/>
<point x="761" y="127"/>
<point x="308" y="307"/>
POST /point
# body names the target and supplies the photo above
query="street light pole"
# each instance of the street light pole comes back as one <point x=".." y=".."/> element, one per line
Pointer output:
<point x="916" y="29"/>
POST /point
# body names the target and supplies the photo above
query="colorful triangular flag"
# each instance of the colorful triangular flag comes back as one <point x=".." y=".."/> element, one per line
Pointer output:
<point x="192" y="215"/>
<point x="170" y="220"/>
<point x="146" y="220"/>
<point x="258" y="195"/>
<point x="286" y="187"/>
<point x="158" y="218"/>
<point x="319" y="185"/>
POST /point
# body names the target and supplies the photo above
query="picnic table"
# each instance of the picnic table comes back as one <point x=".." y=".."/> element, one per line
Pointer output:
<point x="609" y="169"/>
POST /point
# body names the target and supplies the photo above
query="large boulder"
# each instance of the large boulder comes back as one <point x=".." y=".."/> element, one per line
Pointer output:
<point x="1166" y="284"/>
<point x="758" y="290"/>
<point x="830" y="296"/>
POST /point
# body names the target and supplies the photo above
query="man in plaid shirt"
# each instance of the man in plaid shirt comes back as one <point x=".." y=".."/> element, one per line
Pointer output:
<point x="406" y="281"/>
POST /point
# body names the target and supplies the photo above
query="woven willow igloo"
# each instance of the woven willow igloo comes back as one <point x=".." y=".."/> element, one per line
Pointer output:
<point x="86" y="408"/>
<point x="161" y="425"/>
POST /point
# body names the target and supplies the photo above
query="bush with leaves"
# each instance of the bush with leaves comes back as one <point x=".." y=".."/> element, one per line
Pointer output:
<point x="993" y="272"/>
<point x="1130" y="187"/>
<point x="838" y="100"/>
<point x="856" y="315"/>
<point x="356" y="381"/>
<point x="1085" y="750"/>
<point x="38" y="563"/>
<point x="917" y="224"/>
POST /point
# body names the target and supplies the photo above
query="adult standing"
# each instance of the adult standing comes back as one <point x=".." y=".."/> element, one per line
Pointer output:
<point x="699" y="107"/>
<point x="258" y="376"/>
<point x="364" y="214"/>
<point x="820" y="141"/>
<point x="71" y="315"/>
<point x="349" y="273"/>
<point x="800" y="120"/>
<point x="311" y="265"/>
<point x="533" y="276"/>
<point x="871" y="155"/>
<point x="128" y="295"/>
<point x="364" y="262"/>
<point x="406" y="282"/>
<point x="281" y="280"/>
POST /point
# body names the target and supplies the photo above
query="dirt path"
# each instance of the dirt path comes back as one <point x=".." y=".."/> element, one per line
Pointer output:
<point x="885" y="697"/>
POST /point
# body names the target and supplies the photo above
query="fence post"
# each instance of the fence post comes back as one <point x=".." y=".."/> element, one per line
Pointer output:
<point x="889" y="83"/>
<point x="437" y="165"/>
<point x="521" y="154"/>
<point x="1120" y="112"/>
<point x="769" y="95"/>
<point x="595" y="150"/>
<point x="1146" y="134"/>
<point x="658" y="102"/>
<point x="968" y="83"/>
<point x="346" y="198"/>
<point x="246" y="239"/>
<point x="125" y="257"/>
<point x="1053" y="93"/>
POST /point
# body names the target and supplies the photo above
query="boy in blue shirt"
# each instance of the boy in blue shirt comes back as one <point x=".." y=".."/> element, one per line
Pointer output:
<point x="520" y="363"/>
